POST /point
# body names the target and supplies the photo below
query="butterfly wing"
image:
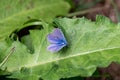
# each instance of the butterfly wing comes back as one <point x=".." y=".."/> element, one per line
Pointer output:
<point x="52" y="38"/>
<point x="56" y="36"/>
<point x="55" y="47"/>
<point x="57" y="40"/>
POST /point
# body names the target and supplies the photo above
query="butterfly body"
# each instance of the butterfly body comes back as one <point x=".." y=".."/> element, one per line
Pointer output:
<point x="57" y="40"/>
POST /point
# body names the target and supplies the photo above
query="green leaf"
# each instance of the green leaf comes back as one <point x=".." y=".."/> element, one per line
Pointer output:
<point x="91" y="45"/>
<point x="13" y="14"/>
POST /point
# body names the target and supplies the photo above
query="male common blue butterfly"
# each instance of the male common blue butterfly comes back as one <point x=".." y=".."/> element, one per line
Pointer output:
<point x="57" y="40"/>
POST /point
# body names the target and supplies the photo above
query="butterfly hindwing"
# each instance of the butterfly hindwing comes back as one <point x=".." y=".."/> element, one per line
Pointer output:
<point x="55" y="47"/>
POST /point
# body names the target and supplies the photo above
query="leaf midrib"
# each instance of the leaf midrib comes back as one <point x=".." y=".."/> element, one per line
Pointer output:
<point x="71" y="56"/>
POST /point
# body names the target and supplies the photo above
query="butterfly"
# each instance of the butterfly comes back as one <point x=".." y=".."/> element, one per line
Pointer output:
<point x="57" y="40"/>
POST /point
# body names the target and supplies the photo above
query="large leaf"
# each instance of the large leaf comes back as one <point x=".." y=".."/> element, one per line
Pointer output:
<point x="13" y="14"/>
<point x="91" y="45"/>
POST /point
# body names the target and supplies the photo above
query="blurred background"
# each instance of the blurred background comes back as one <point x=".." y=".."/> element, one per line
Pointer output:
<point x="91" y="8"/>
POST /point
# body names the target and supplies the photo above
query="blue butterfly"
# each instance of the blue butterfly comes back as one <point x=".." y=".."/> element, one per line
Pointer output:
<point x="57" y="40"/>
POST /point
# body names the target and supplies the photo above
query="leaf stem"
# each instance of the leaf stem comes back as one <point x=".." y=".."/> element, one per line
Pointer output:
<point x="6" y="58"/>
<point x="84" y="12"/>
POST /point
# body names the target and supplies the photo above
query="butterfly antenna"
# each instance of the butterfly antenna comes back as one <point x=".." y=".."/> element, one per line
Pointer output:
<point x="6" y="58"/>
